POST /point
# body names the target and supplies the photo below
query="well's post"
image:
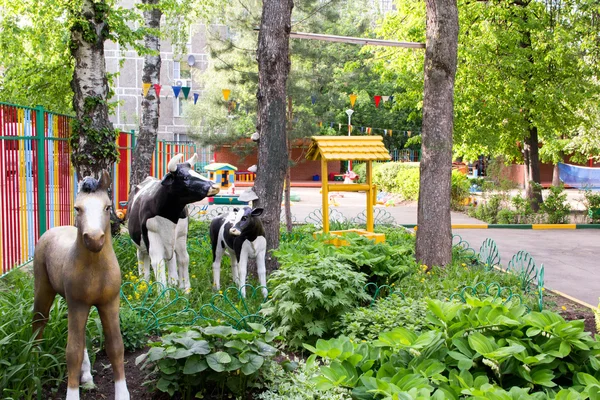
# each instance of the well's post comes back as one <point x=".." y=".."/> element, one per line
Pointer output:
<point x="370" y="204"/>
<point x="325" y="193"/>
<point x="41" y="168"/>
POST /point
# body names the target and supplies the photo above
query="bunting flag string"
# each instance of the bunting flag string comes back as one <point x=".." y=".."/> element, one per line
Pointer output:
<point x="145" y="88"/>
<point x="157" y="88"/>
<point x="366" y="129"/>
<point x="377" y="101"/>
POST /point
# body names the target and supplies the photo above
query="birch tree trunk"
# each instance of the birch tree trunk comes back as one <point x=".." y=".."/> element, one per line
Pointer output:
<point x="93" y="137"/>
<point x="146" y="140"/>
<point x="434" y="233"/>
<point x="273" y="70"/>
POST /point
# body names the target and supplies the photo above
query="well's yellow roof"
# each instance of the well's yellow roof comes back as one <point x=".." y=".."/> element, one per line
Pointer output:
<point x="363" y="148"/>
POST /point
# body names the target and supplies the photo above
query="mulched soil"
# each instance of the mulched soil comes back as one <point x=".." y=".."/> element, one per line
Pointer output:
<point x="570" y="310"/>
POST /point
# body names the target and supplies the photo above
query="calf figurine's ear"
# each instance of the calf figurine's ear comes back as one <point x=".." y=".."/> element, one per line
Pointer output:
<point x="105" y="181"/>
<point x="257" y="212"/>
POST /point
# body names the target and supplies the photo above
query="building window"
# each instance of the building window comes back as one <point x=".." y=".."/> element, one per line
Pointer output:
<point x="181" y="138"/>
<point x="182" y="76"/>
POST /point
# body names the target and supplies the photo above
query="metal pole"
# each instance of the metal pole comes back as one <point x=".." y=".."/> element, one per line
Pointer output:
<point x="349" y="112"/>
<point x="41" y="168"/>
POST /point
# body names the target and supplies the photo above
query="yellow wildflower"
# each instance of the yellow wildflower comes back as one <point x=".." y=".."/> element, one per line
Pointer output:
<point x="129" y="297"/>
<point x="564" y="308"/>
<point x="464" y="265"/>
<point x="220" y="292"/>
<point x="194" y="276"/>
<point x="543" y="289"/>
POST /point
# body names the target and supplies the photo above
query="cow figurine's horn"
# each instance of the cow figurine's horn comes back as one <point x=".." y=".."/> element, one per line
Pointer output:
<point x="192" y="160"/>
<point x="172" y="166"/>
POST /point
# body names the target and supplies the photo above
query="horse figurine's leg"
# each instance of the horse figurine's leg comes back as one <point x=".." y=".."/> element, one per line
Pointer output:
<point x="87" y="380"/>
<point x="78" y="316"/>
<point x="43" y="298"/>
<point x="109" y="315"/>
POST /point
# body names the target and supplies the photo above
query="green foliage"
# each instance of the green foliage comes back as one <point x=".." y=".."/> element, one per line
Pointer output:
<point x="309" y="293"/>
<point x="29" y="365"/>
<point x="592" y="204"/>
<point x="488" y="211"/>
<point x="459" y="190"/>
<point x="480" y="348"/>
<point x="215" y="361"/>
<point x="133" y="329"/>
<point x="361" y="171"/>
<point x="366" y="323"/>
<point x="385" y="175"/>
<point x="298" y="385"/>
<point x="555" y="206"/>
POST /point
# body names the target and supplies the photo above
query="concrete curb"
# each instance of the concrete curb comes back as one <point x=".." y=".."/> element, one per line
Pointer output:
<point x="517" y="226"/>
<point x="573" y="299"/>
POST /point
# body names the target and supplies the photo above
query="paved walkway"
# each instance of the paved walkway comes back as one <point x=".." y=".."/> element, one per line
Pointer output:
<point x="571" y="257"/>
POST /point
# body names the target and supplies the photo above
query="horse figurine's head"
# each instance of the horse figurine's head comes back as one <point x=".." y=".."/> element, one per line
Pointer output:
<point x="92" y="207"/>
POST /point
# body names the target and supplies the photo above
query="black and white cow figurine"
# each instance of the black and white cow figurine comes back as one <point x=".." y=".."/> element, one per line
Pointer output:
<point x="241" y="233"/>
<point x="158" y="220"/>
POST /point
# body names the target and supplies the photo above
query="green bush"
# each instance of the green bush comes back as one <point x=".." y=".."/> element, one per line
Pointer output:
<point x="592" y="203"/>
<point x="309" y="292"/>
<point x="366" y="323"/>
<point x="297" y="385"/>
<point x="215" y="361"/>
<point x="488" y="211"/>
<point x="361" y="170"/>
<point x="133" y="329"/>
<point x="555" y="206"/>
<point x="385" y="174"/>
<point x="406" y="182"/>
<point x="480" y="349"/>
<point x="29" y="366"/>
<point x="459" y="190"/>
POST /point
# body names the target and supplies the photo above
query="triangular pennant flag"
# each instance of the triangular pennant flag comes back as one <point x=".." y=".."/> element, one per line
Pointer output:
<point x="409" y="133"/>
<point x="313" y="99"/>
<point x="176" y="90"/>
<point x="339" y="127"/>
<point x="385" y="98"/>
<point x="391" y="99"/>
<point x="362" y="129"/>
<point x="351" y="128"/>
<point x="186" y="91"/>
<point x="369" y="131"/>
<point x="353" y="99"/>
<point x="390" y="132"/>
<point x="320" y="124"/>
<point x="226" y="93"/>
<point x="157" y="88"/>
<point x="331" y="124"/>
<point x="145" y="88"/>
<point x="385" y="131"/>
<point x="377" y="100"/>
<point x="196" y="95"/>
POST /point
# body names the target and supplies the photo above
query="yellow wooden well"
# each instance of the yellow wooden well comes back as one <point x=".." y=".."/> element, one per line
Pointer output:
<point x="358" y="148"/>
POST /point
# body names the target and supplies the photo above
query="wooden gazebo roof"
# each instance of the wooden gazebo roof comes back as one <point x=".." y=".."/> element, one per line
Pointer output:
<point x="360" y="148"/>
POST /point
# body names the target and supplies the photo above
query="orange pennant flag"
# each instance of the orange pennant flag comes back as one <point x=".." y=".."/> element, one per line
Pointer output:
<point x="226" y="93"/>
<point x="353" y="99"/>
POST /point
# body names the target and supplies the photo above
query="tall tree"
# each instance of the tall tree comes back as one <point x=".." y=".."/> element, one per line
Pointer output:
<point x="93" y="139"/>
<point x="434" y="235"/>
<point x="273" y="70"/>
<point x="146" y="140"/>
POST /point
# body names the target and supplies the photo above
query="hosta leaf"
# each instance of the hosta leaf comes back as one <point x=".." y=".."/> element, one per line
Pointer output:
<point x="217" y="361"/>
<point x="194" y="364"/>
<point x="254" y="363"/>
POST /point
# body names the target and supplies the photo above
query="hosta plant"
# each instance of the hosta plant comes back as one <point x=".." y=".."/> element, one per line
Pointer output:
<point x="215" y="361"/>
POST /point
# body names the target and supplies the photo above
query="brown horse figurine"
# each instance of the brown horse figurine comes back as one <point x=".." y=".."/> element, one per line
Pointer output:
<point x="79" y="263"/>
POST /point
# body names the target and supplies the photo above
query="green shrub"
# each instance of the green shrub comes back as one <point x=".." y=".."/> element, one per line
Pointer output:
<point x="555" y="206"/>
<point x="309" y="292"/>
<point x="385" y="174"/>
<point x="480" y="349"/>
<point x="361" y="170"/>
<point x="592" y="203"/>
<point x="215" y="361"/>
<point x="459" y="190"/>
<point x="133" y="329"/>
<point x="297" y="385"/>
<point x="406" y="182"/>
<point x="488" y="211"/>
<point x="29" y="366"/>
<point x="366" y="323"/>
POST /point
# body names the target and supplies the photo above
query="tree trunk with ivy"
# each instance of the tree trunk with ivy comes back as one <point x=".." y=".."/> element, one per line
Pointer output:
<point x="93" y="137"/>
<point x="273" y="71"/>
<point x="434" y="233"/>
<point x="146" y="140"/>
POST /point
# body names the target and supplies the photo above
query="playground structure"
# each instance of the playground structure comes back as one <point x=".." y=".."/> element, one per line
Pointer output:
<point x="224" y="174"/>
<point x="360" y="148"/>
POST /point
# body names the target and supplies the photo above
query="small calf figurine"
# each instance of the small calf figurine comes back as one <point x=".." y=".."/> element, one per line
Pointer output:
<point x="241" y="233"/>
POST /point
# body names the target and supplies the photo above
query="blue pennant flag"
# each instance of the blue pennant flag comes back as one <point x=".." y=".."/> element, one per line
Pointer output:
<point x="176" y="90"/>
<point x="196" y="95"/>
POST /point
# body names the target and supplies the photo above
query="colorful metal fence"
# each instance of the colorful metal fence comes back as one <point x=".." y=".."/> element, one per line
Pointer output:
<point x="30" y="201"/>
<point x="405" y="155"/>
<point x="37" y="181"/>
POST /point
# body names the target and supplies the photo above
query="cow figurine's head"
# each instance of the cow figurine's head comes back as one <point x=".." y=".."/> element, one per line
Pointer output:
<point x="185" y="183"/>
<point x="244" y="219"/>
